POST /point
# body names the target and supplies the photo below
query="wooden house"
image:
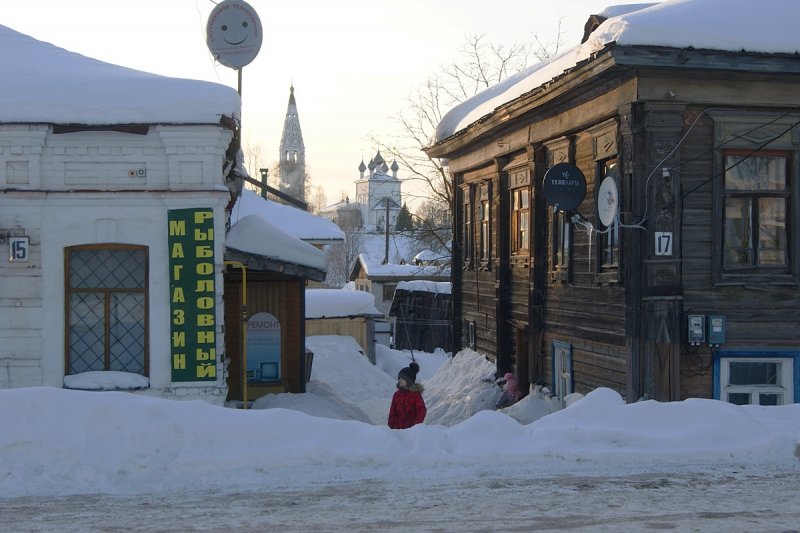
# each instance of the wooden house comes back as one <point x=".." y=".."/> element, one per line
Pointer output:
<point x="272" y="253"/>
<point x="346" y="313"/>
<point x="676" y="273"/>
<point x="372" y="275"/>
<point x="423" y="315"/>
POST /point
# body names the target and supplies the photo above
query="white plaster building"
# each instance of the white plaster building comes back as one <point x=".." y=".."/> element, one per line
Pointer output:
<point x="111" y="180"/>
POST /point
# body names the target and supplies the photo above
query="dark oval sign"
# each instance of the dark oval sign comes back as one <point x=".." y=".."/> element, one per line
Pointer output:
<point x="564" y="186"/>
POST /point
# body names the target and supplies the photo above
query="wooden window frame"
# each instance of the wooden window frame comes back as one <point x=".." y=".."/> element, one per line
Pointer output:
<point x="561" y="150"/>
<point x="754" y="195"/>
<point x="484" y="220"/>
<point x="106" y="292"/>
<point x="609" y="238"/>
<point x="561" y="252"/>
<point x="562" y="369"/>
<point x="520" y="238"/>
<point x="747" y="131"/>
<point x="468" y="227"/>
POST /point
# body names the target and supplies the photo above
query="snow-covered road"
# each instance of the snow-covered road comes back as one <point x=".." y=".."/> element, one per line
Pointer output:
<point x="682" y="499"/>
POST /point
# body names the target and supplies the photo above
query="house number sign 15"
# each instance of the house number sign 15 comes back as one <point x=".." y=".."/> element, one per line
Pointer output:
<point x="663" y="243"/>
<point x="18" y="249"/>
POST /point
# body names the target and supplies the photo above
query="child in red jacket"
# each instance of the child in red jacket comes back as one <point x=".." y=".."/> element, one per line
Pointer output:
<point x="408" y="407"/>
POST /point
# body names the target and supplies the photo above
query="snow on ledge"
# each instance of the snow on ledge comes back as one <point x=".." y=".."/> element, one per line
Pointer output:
<point x="106" y="380"/>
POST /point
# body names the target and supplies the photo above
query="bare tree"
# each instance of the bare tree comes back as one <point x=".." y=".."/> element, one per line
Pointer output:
<point x="255" y="161"/>
<point x="480" y="64"/>
<point x="316" y="197"/>
<point x="340" y="258"/>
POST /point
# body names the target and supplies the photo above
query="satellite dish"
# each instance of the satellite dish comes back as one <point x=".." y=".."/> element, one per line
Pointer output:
<point x="233" y="33"/>
<point x="607" y="201"/>
<point x="564" y="186"/>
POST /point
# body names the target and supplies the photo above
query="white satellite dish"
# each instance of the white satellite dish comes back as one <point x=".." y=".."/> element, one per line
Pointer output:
<point x="607" y="201"/>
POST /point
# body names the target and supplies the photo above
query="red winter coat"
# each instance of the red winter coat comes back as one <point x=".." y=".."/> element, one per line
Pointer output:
<point x="408" y="408"/>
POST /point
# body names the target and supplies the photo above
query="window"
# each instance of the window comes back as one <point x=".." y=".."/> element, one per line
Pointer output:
<point x="484" y="216"/>
<point x="755" y="198"/>
<point x="520" y="220"/>
<point x="471" y="334"/>
<point x="756" y="195"/>
<point x="609" y="235"/>
<point x="468" y="237"/>
<point x="106" y="318"/>
<point x="562" y="369"/>
<point x="757" y="378"/>
<point x="388" y="292"/>
<point x="561" y="243"/>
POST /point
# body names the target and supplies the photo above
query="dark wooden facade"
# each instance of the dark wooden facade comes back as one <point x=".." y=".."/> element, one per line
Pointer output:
<point x="575" y="305"/>
<point x="423" y="319"/>
<point x="272" y="287"/>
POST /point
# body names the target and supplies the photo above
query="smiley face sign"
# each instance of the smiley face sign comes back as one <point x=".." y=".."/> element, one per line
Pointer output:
<point x="233" y="33"/>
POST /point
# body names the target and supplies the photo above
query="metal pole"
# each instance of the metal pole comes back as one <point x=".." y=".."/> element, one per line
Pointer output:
<point x="386" y="231"/>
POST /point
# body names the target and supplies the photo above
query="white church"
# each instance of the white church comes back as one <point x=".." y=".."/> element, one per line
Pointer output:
<point x="378" y="198"/>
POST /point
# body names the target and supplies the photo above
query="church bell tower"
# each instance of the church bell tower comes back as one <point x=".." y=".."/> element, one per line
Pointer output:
<point x="292" y="161"/>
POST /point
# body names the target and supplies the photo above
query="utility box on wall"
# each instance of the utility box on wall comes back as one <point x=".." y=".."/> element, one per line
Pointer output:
<point x="716" y="330"/>
<point x="696" y="329"/>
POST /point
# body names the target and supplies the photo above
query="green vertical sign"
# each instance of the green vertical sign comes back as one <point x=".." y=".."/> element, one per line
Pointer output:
<point x="192" y="295"/>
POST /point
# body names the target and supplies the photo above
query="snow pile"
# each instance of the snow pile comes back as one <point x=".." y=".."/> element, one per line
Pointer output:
<point x="463" y="386"/>
<point x="341" y="367"/>
<point x="57" y="442"/>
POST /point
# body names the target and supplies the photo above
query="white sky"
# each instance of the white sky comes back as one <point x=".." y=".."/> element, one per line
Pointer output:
<point x="353" y="62"/>
<point x="59" y="442"/>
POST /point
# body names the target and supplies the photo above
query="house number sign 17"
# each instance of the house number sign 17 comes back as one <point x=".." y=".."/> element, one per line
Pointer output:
<point x="663" y="243"/>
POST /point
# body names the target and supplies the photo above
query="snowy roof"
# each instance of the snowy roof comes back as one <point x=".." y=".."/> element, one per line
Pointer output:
<point x="429" y="255"/>
<point x="382" y="176"/>
<point x="375" y="268"/>
<point x="291" y="220"/>
<point x="43" y="83"/>
<point x="437" y="287"/>
<point x="730" y="25"/>
<point x="401" y="247"/>
<point x="624" y="9"/>
<point x="255" y="235"/>
<point x="338" y="303"/>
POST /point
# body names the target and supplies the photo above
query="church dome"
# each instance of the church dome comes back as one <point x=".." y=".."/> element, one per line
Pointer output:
<point x="362" y="167"/>
<point x="379" y="159"/>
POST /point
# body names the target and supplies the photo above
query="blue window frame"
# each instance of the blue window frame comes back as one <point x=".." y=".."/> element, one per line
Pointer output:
<point x="758" y="377"/>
